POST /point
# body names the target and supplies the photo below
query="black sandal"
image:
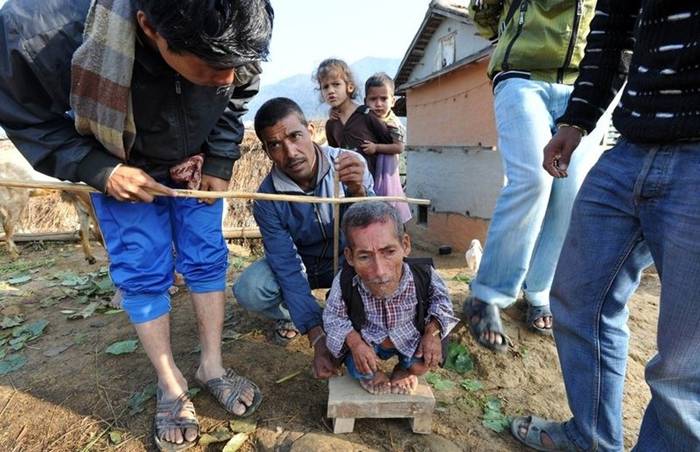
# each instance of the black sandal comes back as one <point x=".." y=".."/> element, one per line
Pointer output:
<point x="284" y="325"/>
<point x="538" y="312"/>
<point x="489" y="320"/>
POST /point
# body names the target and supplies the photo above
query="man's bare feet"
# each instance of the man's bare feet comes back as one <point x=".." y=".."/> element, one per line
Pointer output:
<point x="378" y="385"/>
<point x="403" y="381"/>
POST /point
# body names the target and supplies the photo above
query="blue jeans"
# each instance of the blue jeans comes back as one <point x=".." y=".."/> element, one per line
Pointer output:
<point x="533" y="210"/>
<point x="382" y="353"/>
<point x="257" y="290"/>
<point x="139" y="238"/>
<point x="639" y="202"/>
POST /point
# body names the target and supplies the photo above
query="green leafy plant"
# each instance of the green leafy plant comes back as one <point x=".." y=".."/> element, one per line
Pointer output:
<point x="122" y="347"/>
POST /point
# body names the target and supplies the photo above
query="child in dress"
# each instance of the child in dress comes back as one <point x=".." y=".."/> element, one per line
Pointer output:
<point x="351" y="126"/>
<point x="379" y="97"/>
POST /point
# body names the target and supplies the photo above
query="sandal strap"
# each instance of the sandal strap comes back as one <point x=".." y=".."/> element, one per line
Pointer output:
<point x="537" y="312"/>
<point x="230" y="383"/>
<point x="176" y="413"/>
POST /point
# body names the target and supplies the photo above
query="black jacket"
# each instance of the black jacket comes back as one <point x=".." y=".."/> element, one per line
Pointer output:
<point x="174" y="118"/>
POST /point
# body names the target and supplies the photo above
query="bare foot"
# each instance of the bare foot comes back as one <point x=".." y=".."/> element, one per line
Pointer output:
<point x="378" y="385"/>
<point x="402" y="381"/>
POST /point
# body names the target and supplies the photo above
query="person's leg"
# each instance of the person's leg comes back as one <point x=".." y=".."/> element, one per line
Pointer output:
<point x="540" y="274"/>
<point x="138" y="241"/>
<point x="257" y="290"/>
<point x="524" y="126"/>
<point x="202" y="258"/>
<point x="669" y="209"/>
<point x="600" y="266"/>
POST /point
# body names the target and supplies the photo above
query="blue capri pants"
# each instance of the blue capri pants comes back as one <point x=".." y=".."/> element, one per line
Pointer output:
<point x="147" y="242"/>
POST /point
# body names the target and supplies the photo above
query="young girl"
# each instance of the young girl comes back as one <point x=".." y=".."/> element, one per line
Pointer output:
<point x="356" y="127"/>
<point x="379" y="97"/>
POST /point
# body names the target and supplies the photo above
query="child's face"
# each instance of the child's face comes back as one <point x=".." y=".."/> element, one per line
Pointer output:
<point x="335" y="89"/>
<point x="380" y="100"/>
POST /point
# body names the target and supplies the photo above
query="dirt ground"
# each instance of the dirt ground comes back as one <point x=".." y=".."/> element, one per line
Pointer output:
<point x="72" y="395"/>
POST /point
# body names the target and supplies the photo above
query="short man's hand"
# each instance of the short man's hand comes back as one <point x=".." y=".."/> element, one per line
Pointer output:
<point x="211" y="183"/>
<point x="368" y="147"/>
<point x="430" y="347"/>
<point x="127" y="183"/>
<point x="557" y="153"/>
<point x="351" y="169"/>
<point x="334" y="114"/>
<point x="362" y="354"/>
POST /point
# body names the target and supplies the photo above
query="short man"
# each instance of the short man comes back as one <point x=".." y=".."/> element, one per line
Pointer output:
<point x="540" y="45"/>
<point x="404" y="309"/>
<point x="136" y="97"/>
<point x="639" y="203"/>
<point x="298" y="237"/>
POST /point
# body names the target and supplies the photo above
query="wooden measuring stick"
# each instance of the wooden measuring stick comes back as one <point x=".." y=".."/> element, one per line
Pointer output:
<point x="67" y="186"/>
<point x="336" y="222"/>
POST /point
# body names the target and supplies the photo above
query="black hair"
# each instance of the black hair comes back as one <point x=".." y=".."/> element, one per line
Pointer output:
<point x="223" y="33"/>
<point x="339" y="66"/>
<point x="378" y="80"/>
<point x="363" y="214"/>
<point x="275" y="110"/>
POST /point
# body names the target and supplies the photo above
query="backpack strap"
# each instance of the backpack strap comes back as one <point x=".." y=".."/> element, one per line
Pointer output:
<point x="351" y="296"/>
<point x="421" y="269"/>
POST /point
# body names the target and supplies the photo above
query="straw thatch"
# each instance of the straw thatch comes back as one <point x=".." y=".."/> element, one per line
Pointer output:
<point x="50" y="214"/>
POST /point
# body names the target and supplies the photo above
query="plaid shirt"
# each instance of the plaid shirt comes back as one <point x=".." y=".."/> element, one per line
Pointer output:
<point x="392" y="317"/>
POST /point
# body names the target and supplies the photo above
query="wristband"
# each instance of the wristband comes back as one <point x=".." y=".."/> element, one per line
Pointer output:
<point x="317" y="338"/>
<point x="580" y="129"/>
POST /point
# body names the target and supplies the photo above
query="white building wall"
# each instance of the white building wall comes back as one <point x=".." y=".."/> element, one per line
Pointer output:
<point x="466" y="43"/>
<point x="457" y="179"/>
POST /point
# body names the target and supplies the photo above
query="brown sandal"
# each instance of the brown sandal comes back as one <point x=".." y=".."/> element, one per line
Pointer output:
<point x="169" y="415"/>
<point x="227" y="390"/>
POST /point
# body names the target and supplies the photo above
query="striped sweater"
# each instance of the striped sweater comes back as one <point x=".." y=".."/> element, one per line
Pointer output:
<point x="661" y="101"/>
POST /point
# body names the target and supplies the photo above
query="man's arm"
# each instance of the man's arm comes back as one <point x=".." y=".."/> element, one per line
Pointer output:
<point x="439" y="320"/>
<point x="602" y="72"/>
<point x="223" y="143"/>
<point x="604" y="67"/>
<point x="439" y="305"/>
<point x="36" y="121"/>
<point x="336" y="322"/>
<point x="282" y="257"/>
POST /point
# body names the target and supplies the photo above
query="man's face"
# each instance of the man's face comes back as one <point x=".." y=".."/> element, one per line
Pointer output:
<point x="188" y="65"/>
<point x="377" y="256"/>
<point x="380" y="100"/>
<point x="289" y="145"/>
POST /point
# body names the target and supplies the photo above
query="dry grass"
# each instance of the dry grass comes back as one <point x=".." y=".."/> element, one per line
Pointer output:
<point x="50" y="214"/>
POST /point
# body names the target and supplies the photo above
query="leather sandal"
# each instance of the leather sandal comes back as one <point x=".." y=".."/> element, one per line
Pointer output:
<point x="172" y="414"/>
<point x="227" y="391"/>
<point x="489" y="320"/>
<point x="535" y="427"/>
<point x="535" y="313"/>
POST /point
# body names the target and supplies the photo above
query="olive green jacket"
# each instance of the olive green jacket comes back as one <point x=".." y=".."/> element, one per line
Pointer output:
<point x="546" y="38"/>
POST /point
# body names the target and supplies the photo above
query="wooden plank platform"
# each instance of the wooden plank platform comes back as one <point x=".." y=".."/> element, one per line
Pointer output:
<point x="347" y="401"/>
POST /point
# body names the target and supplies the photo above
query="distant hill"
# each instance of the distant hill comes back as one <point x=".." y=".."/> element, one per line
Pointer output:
<point x="302" y="89"/>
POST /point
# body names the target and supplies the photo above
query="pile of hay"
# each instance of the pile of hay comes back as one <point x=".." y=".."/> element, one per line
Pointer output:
<point x="50" y="214"/>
